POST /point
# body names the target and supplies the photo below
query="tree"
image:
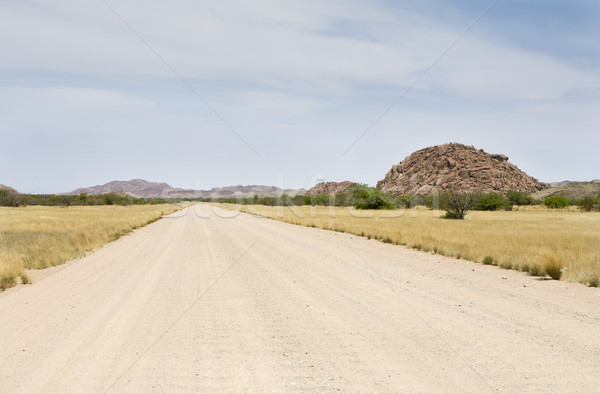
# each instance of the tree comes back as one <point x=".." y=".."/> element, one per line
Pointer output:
<point x="518" y="198"/>
<point x="457" y="205"/>
<point x="83" y="198"/>
<point x="10" y="199"/>
<point x="490" y="202"/>
<point x="556" y="202"/>
<point x="588" y="203"/>
<point x="364" y="197"/>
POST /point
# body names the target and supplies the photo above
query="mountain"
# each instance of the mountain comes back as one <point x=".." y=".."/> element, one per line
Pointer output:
<point x="571" y="190"/>
<point x="329" y="188"/>
<point x="135" y="187"/>
<point x="456" y="167"/>
<point x="145" y="189"/>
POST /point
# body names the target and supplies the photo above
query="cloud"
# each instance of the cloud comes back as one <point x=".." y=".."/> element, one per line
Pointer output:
<point x="69" y="98"/>
<point x="490" y="71"/>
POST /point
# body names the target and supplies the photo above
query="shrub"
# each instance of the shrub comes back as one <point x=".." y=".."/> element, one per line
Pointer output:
<point x="552" y="266"/>
<point x="556" y="202"/>
<point x="488" y="260"/>
<point x="405" y="201"/>
<point x="518" y="198"/>
<point x="10" y="199"/>
<point x="364" y="197"/>
<point x="490" y="202"/>
<point x="536" y="270"/>
<point x="588" y="203"/>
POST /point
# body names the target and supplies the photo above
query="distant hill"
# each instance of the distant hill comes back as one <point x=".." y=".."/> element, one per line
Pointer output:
<point x="10" y="189"/>
<point x="142" y="188"/>
<point x="135" y="187"/>
<point x="458" y="167"/>
<point x="570" y="189"/>
<point x="329" y="188"/>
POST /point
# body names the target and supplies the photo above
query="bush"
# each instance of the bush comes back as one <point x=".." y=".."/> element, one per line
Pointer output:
<point x="518" y="198"/>
<point x="552" y="266"/>
<point x="364" y="197"/>
<point x="556" y="202"/>
<point x="490" y="202"/>
<point x="488" y="260"/>
<point x="10" y="199"/>
<point x="588" y="204"/>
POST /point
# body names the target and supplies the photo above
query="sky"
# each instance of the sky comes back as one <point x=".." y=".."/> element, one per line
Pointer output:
<point x="289" y="93"/>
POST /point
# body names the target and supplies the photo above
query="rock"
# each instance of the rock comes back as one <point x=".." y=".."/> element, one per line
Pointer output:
<point x="332" y="188"/>
<point x="456" y="167"/>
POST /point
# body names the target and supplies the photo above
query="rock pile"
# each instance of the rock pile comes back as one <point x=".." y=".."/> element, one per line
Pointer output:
<point x="456" y="167"/>
<point x="329" y="188"/>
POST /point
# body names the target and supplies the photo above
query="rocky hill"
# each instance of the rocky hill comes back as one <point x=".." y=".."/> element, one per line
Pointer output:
<point x="329" y="188"/>
<point x="135" y="187"/>
<point x="145" y="189"/>
<point x="457" y="167"/>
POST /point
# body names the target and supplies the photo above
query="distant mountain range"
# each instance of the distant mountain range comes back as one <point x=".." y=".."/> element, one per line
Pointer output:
<point x="142" y="188"/>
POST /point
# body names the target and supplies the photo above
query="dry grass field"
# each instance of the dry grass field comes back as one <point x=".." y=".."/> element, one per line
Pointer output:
<point x="39" y="237"/>
<point x="560" y="243"/>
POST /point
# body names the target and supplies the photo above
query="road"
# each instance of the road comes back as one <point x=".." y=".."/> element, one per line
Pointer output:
<point x="208" y="300"/>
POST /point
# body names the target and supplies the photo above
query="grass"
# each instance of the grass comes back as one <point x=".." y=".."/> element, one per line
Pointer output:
<point x="563" y="244"/>
<point x="39" y="237"/>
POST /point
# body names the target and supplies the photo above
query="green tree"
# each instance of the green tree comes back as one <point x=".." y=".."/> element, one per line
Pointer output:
<point x="83" y="199"/>
<point x="364" y="197"/>
<point x="457" y="205"/>
<point x="589" y="203"/>
<point x="10" y="199"/>
<point x="518" y="198"/>
<point x="556" y="202"/>
<point x="490" y="202"/>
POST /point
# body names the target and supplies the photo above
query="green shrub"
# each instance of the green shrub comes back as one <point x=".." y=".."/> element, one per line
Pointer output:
<point x="589" y="203"/>
<point x="490" y="202"/>
<point x="556" y="202"/>
<point x="518" y="198"/>
<point x="364" y="197"/>
<point x="10" y="199"/>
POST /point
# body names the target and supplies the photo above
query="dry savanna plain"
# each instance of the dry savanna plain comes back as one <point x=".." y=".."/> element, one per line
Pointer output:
<point x="561" y="243"/>
<point x="40" y="237"/>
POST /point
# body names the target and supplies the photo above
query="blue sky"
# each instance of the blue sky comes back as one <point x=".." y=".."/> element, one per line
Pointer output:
<point x="291" y="86"/>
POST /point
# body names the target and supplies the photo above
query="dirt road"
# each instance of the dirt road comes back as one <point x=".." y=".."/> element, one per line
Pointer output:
<point x="206" y="302"/>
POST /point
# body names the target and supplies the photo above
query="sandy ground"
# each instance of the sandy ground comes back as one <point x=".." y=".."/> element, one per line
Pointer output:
<point x="206" y="302"/>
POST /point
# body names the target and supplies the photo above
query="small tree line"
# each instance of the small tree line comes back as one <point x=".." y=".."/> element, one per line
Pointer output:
<point x="12" y="199"/>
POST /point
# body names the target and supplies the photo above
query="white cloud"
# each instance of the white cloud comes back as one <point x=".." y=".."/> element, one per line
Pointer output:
<point x="70" y="99"/>
<point x="490" y="71"/>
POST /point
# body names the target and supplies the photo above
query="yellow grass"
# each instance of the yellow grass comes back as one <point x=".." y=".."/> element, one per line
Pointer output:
<point x="528" y="240"/>
<point x="39" y="237"/>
